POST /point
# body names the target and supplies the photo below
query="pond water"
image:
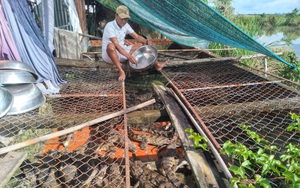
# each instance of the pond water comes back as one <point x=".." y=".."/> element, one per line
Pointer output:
<point x="276" y="40"/>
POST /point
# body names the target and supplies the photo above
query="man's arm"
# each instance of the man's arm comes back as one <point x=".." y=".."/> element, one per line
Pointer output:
<point x="139" y="38"/>
<point x="115" y="41"/>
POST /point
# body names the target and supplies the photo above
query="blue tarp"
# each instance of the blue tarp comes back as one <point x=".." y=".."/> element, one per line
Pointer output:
<point x="190" y="22"/>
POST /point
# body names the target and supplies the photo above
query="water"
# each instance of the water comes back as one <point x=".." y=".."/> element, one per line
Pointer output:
<point x="276" y="40"/>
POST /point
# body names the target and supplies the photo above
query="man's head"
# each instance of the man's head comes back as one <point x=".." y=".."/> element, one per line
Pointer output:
<point x="123" y="12"/>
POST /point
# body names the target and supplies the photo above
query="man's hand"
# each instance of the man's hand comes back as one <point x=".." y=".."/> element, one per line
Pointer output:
<point x="132" y="59"/>
<point x="122" y="76"/>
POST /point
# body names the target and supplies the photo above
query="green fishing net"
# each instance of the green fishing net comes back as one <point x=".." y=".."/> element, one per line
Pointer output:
<point x="190" y="22"/>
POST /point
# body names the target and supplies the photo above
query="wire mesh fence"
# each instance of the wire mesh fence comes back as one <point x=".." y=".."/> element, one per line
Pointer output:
<point x="94" y="155"/>
<point x="225" y="95"/>
<point x="98" y="155"/>
<point x="221" y="95"/>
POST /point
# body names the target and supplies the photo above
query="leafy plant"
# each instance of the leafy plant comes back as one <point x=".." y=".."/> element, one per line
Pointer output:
<point x="296" y="124"/>
<point x="199" y="141"/>
<point x="265" y="164"/>
<point x="290" y="74"/>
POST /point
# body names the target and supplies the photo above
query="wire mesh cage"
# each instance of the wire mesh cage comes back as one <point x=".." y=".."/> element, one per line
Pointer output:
<point x="100" y="153"/>
<point x="225" y="95"/>
<point x="116" y="152"/>
<point x="83" y="157"/>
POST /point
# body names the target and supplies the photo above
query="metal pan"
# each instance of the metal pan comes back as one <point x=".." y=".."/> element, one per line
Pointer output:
<point x="27" y="97"/>
<point x="16" y="65"/>
<point x="145" y="56"/>
<point x="16" y="77"/>
<point x="6" y="101"/>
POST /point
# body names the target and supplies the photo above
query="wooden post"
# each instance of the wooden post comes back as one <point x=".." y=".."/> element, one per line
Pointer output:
<point x="266" y="66"/>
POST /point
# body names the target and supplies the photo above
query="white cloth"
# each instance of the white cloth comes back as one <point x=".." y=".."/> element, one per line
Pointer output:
<point x="113" y="30"/>
<point x="66" y="44"/>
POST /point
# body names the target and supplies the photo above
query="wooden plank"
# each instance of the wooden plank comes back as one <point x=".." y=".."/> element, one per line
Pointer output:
<point x="92" y="53"/>
<point x="9" y="164"/>
<point x="206" y="173"/>
<point x="90" y="36"/>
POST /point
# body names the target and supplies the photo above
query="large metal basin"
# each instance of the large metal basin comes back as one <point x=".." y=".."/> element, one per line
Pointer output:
<point x="16" y="77"/>
<point x="27" y="97"/>
<point x="16" y="65"/>
<point x="145" y="56"/>
<point x="6" y="101"/>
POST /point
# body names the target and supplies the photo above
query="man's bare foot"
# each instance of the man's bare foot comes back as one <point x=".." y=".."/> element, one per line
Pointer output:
<point x="160" y="65"/>
<point x="122" y="76"/>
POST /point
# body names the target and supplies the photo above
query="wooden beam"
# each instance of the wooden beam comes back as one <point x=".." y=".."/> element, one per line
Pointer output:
<point x="206" y="173"/>
<point x="256" y="106"/>
<point x="90" y="36"/>
<point x="9" y="164"/>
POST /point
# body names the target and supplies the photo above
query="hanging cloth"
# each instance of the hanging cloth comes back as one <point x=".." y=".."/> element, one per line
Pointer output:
<point x="8" y="49"/>
<point x="31" y="45"/>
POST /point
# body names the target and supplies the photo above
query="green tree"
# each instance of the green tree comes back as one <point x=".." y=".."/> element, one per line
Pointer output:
<point x="291" y="17"/>
<point x="224" y="7"/>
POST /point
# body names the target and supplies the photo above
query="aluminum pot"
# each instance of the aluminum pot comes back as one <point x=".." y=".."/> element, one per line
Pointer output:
<point x="16" y="77"/>
<point x="145" y="56"/>
<point x="27" y="97"/>
<point x="6" y="101"/>
<point x="16" y="65"/>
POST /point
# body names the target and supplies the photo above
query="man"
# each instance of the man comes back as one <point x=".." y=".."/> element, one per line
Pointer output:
<point x="114" y="49"/>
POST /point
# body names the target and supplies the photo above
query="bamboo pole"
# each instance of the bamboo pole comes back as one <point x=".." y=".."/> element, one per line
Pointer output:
<point x="127" y="166"/>
<point x="73" y="129"/>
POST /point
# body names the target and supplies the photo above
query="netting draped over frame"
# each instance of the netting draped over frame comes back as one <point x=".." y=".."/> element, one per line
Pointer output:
<point x="190" y="22"/>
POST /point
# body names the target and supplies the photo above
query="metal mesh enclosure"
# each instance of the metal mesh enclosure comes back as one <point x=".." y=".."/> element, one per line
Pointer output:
<point x="224" y="95"/>
<point x="221" y="96"/>
<point x="99" y="154"/>
<point x="92" y="156"/>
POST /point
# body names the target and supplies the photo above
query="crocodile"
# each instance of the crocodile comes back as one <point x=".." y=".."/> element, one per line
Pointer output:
<point x="28" y="175"/>
<point x="168" y="168"/>
<point x="146" y="177"/>
<point x="114" y="177"/>
<point x="64" y="140"/>
<point x="146" y="138"/>
<point x="68" y="173"/>
<point x="118" y="139"/>
<point x="154" y="128"/>
<point x="137" y="97"/>
<point x="98" y="180"/>
<point x="106" y="150"/>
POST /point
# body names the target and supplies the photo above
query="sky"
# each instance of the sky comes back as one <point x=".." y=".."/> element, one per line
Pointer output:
<point x="265" y="6"/>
